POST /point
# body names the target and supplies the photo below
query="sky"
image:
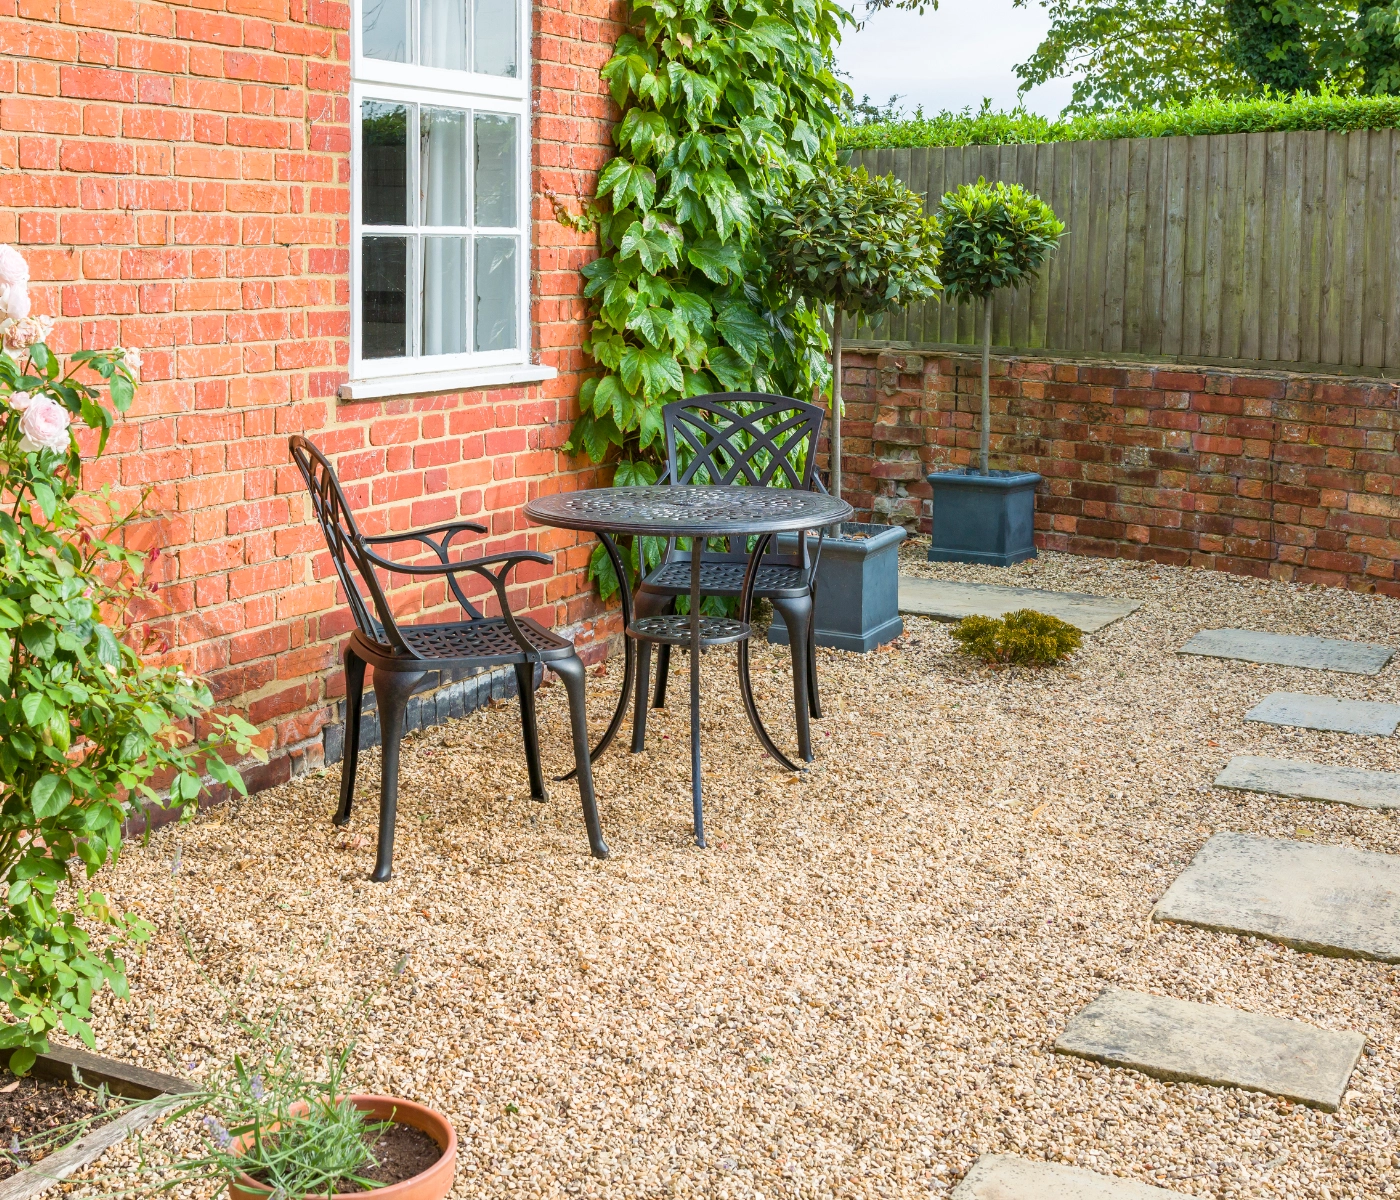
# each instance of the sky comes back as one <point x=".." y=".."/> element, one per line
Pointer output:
<point x="951" y="58"/>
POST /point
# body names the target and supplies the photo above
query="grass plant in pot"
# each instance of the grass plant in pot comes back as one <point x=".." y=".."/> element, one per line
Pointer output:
<point x="857" y="246"/>
<point x="993" y="236"/>
<point x="272" y="1132"/>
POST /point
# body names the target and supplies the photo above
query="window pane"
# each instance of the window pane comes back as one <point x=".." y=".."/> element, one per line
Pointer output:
<point x="495" y="172"/>
<point x="444" y="295"/>
<point x="442" y="171"/>
<point x="495" y="293"/>
<point x="384" y="132"/>
<point x="442" y="33"/>
<point x="496" y="37"/>
<point x="385" y="30"/>
<point x="384" y="297"/>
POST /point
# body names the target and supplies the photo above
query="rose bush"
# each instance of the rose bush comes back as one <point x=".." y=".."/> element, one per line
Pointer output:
<point x="88" y="729"/>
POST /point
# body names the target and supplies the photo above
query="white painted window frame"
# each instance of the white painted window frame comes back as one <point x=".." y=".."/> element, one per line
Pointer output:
<point x="375" y="79"/>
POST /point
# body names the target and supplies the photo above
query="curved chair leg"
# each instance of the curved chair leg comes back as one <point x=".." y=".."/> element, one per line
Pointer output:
<point x="570" y="670"/>
<point x="797" y="615"/>
<point x="392" y="690"/>
<point x="350" y="756"/>
<point x="525" y="685"/>
<point x="816" y="696"/>
<point x="663" y="666"/>
<point x="646" y="604"/>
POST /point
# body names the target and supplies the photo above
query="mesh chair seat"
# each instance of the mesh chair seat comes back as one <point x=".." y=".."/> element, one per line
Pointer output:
<point x="727" y="578"/>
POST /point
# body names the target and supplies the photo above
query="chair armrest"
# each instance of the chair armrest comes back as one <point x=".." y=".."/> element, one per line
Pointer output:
<point x="450" y="528"/>
<point x="478" y="565"/>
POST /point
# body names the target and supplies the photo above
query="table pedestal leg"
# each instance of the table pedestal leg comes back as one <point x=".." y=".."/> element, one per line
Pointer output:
<point x="697" y="548"/>
<point x="745" y="678"/>
<point x="629" y="656"/>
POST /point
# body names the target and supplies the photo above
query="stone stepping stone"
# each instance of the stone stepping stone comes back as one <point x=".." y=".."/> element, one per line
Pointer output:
<point x="1004" y="1177"/>
<point x="1319" y="654"/>
<point x="1312" y="781"/>
<point x="1183" y="1042"/>
<point x="1323" y="712"/>
<point x="949" y="601"/>
<point x="1326" y="899"/>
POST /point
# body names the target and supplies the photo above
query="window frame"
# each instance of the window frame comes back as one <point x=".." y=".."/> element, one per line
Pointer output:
<point x="435" y="87"/>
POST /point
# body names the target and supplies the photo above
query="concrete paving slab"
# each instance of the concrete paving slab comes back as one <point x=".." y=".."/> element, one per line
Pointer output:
<point x="1285" y="650"/>
<point x="1299" y="709"/>
<point x="1005" y="1177"/>
<point x="1330" y="900"/>
<point x="950" y="601"/>
<point x="1221" y="1047"/>
<point x="1312" y="781"/>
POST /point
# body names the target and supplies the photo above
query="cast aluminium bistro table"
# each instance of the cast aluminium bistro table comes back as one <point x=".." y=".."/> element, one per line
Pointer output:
<point x="698" y="513"/>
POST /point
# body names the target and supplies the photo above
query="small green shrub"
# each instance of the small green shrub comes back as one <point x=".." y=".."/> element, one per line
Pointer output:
<point x="1024" y="637"/>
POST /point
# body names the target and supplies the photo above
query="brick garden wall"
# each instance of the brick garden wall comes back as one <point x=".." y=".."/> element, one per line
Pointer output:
<point x="177" y="176"/>
<point x="1282" y="475"/>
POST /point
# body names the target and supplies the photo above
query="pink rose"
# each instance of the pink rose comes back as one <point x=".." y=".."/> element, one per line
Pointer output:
<point x="14" y="301"/>
<point x="14" y="271"/>
<point x="44" y="425"/>
<point x="24" y="333"/>
<point x="19" y="401"/>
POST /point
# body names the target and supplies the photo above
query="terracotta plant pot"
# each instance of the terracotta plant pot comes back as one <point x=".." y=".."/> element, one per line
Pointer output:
<point x="432" y="1184"/>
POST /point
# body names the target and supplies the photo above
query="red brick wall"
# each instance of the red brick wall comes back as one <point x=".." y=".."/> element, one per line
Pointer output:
<point x="1270" y="474"/>
<point x="177" y="176"/>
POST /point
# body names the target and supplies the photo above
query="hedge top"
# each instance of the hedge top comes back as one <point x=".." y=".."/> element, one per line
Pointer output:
<point x="1270" y="114"/>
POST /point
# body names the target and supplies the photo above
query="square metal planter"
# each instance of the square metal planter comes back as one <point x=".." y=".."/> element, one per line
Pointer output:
<point x="857" y="588"/>
<point x="983" y="518"/>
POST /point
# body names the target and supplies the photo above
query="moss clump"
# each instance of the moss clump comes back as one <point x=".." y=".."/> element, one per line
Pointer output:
<point x="1024" y="637"/>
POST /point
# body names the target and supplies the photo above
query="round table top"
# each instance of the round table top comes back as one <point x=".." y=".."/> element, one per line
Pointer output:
<point x="687" y="510"/>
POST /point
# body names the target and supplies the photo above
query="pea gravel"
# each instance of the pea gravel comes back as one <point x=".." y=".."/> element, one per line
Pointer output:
<point x="854" y="992"/>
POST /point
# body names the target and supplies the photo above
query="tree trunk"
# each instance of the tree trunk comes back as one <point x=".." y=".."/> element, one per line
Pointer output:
<point x="836" y="407"/>
<point x="986" y="445"/>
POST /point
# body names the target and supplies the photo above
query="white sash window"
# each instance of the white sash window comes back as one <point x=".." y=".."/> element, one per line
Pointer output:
<point x="440" y="136"/>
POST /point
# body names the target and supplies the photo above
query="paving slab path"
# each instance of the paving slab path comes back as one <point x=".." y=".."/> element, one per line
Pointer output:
<point x="1286" y="650"/>
<point x="946" y="600"/>
<point x="1300" y="710"/>
<point x="1183" y="1042"/>
<point x="1005" y="1177"/>
<point x="1312" y="781"/>
<point x="1331" y="900"/>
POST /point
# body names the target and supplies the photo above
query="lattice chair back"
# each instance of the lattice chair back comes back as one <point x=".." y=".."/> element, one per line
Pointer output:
<point x="710" y="440"/>
<point x="347" y="546"/>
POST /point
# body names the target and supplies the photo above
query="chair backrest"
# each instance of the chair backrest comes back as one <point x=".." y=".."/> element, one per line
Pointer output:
<point x="743" y="438"/>
<point x="347" y="546"/>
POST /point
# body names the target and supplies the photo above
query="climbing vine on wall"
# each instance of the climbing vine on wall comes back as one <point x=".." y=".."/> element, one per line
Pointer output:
<point x="725" y="104"/>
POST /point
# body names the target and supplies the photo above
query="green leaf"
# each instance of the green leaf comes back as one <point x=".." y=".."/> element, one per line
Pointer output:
<point x="650" y="371"/>
<point x="628" y="183"/>
<point x="726" y="205"/>
<point x="22" y="1060"/>
<point x="39" y="640"/>
<point x="37" y="709"/>
<point x="743" y="329"/>
<point x="50" y="796"/>
<point x="733" y="373"/>
<point x="715" y="259"/>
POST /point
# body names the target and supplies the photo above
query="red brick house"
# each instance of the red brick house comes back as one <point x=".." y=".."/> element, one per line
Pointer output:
<point x="227" y="185"/>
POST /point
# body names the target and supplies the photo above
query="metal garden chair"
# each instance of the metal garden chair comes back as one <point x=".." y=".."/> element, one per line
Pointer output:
<point x="774" y="443"/>
<point x="402" y="655"/>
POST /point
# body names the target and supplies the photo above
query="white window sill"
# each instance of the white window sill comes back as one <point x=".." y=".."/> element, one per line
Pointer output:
<point x="444" y="381"/>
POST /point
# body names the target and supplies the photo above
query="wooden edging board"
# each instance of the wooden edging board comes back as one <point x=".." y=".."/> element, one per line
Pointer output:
<point x="121" y="1079"/>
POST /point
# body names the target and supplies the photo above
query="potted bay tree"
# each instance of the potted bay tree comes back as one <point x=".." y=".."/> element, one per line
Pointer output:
<point x="856" y="246"/>
<point x="993" y="236"/>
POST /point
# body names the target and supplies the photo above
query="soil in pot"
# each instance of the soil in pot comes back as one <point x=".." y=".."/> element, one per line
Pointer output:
<point x="32" y="1107"/>
<point x="401" y="1151"/>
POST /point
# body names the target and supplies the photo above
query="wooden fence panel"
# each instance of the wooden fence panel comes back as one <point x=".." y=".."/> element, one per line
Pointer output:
<point x="1272" y="248"/>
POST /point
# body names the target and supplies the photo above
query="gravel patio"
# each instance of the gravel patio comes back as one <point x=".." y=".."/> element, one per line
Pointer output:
<point x="854" y="991"/>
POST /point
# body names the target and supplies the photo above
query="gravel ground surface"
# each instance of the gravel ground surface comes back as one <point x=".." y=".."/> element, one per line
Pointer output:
<point x="854" y="991"/>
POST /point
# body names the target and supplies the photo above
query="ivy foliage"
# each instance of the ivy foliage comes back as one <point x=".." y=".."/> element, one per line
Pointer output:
<point x="725" y="105"/>
<point x="87" y="727"/>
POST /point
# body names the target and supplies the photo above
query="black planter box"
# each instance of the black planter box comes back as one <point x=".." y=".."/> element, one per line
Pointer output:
<point x="857" y="588"/>
<point x="983" y="518"/>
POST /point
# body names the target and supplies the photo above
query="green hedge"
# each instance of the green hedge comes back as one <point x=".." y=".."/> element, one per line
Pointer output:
<point x="987" y="127"/>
